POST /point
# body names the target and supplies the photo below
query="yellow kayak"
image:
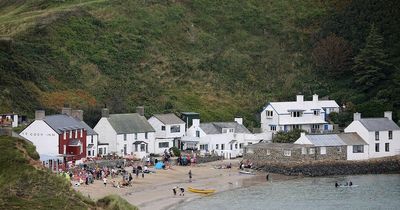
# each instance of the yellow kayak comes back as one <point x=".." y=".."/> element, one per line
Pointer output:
<point x="194" y="190"/>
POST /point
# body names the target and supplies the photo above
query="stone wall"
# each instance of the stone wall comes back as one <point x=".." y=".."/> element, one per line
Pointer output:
<point x="207" y="159"/>
<point x="339" y="167"/>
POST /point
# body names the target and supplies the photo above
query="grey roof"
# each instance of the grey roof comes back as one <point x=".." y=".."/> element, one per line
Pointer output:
<point x="379" y="124"/>
<point x="352" y="139"/>
<point x="130" y="123"/>
<point x="278" y="145"/>
<point x="61" y="122"/>
<point x="169" y="119"/>
<point x="73" y="142"/>
<point x="216" y="127"/>
<point x="326" y="140"/>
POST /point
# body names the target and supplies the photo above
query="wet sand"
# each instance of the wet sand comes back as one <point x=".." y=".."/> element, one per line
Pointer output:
<point x="154" y="191"/>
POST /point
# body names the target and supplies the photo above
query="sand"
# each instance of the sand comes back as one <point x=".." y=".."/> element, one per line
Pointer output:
<point x="154" y="191"/>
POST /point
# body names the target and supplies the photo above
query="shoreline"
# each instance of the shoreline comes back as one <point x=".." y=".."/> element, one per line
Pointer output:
<point x="155" y="190"/>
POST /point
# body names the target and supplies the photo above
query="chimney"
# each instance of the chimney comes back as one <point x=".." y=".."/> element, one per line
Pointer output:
<point x="140" y="110"/>
<point x="315" y="97"/>
<point x="388" y="114"/>
<point x="78" y="114"/>
<point x="67" y="111"/>
<point x="356" y="116"/>
<point x="39" y="114"/>
<point x="302" y="134"/>
<point x="299" y="98"/>
<point x="239" y="120"/>
<point x="196" y="122"/>
<point x="105" y="113"/>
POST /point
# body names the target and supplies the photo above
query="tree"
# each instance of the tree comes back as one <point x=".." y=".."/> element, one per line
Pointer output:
<point x="370" y="65"/>
<point x="287" y="137"/>
<point x="332" y="55"/>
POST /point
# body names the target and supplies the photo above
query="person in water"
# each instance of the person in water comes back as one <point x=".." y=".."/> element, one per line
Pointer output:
<point x="350" y="183"/>
<point x="336" y="184"/>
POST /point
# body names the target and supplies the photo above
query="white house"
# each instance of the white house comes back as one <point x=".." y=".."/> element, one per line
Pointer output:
<point x="57" y="135"/>
<point x="356" y="148"/>
<point x="310" y="116"/>
<point x="169" y="129"/>
<point x="381" y="134"/>
<point x="126" y="134"/>
<point x="224" y="138"/>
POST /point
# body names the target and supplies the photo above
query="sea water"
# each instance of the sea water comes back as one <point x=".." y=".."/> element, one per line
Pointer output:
<point x="369" y="192"/>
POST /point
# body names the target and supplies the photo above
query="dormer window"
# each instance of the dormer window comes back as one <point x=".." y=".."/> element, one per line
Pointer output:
<point x="269" y="114"/>
<point x="296" y="114"/>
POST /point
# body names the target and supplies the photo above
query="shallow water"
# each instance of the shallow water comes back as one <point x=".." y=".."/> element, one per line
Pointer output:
<point x="372" y="192"/>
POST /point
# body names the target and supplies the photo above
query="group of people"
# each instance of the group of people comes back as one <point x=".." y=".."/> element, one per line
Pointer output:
<point x="243" y="165"/>
<point x="345" y="184"/>
<point x="185" y="160"/>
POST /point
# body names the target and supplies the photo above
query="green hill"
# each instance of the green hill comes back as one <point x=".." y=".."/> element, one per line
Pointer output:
<point x="24" y="184"/>
<point x="219" y="58"/>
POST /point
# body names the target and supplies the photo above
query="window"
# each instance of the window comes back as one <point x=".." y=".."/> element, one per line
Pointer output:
<point x="241" y="145"/>
<point x="312" y="151"/>
<point x="315" y="126"/>
<point x="88" y="153"/>
<point x="70" y="134"/>
<point x="125" y="148"/>
<point x="386" y="147"/>
<point x="163" y="145"/>
<point x="100" y="151"/>
<point x="268" y="152"/>
<point x="136" y="148"/>
<point x="231" y="146"/>
<point x="91" y="139"/>
<point x="65" y="135"/>
<point x="294" y="127"/>
<point x="175" y="129"/>
<point x="269" y="114"/>
<point x="163" y="128"/>
<point x="249" y="143"/>
<point x="105" y="151"/>
<point x="76" y="133"/>
<point x="222" y="146"/>
<point x="216" y="146"/>
<point x="236" y="146"/>
<point x="339" y="149"/>
<point x="124" y="136"/>
<point x="231" y="130"/>
<point x="296" y="114"/>
<point x="358" y="148"/>
<point x="204" y="147"/>
<point x="316" y="112"/>
<point x="377" y="147"/>
<point x="145" y="135"/>
<point x="142" y="147"/>
<point x="304" y="151"/>
<point x="81" y="132"/>
<point x="390" y="133"/>
<point x="377" y="135"/>
<point x="287" y="152"/>
<point x="323" y="150"/>
<point x="272" y="127"/>
<point x="197" y="133"/>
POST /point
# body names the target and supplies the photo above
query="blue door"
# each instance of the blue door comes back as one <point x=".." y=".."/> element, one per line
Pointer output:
<point x="326" y="127"/>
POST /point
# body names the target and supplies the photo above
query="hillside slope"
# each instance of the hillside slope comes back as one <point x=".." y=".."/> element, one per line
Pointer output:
<point x="24" y="184"/>
<point x="219" y="58"/>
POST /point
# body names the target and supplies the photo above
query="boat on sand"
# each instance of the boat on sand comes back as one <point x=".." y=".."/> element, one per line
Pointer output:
<point x="203" y="191"/>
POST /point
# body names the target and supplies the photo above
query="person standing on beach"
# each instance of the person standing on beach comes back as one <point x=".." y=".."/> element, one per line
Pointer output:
<point x="105" y="181"/>
<point x="190" y="175"/>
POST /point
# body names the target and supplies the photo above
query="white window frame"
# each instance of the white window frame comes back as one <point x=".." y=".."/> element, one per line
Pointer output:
<point x="304" y="151"/>
<point x="269" y="113"/>
<point x="322" y="150"/>
<point x="287" y="152"/>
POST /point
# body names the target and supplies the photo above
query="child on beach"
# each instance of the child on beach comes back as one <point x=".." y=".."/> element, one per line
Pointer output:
<point x="105" y="181"/>
<point x="182" y="192"/>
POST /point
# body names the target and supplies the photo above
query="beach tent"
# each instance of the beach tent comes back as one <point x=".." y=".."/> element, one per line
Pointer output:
<point x="159" y="165"/>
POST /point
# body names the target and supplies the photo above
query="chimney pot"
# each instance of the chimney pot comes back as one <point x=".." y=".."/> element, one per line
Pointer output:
<point x="300" y="98"/>
<point x="105" y="113"/>
<point x="388" y="114"/>
<point x="40" y="114"/>
<point x="239" y="120"/>
<point x="356" y="116"/>
<point x="196" y="122"/>
<point x="67" y="111"/>
<point x="315" y="97"/>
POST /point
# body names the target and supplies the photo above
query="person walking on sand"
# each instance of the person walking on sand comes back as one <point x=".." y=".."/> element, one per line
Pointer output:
<point x="174" y="190"/>
<point x="105" y="181"/>
<point x="190" y="175"/>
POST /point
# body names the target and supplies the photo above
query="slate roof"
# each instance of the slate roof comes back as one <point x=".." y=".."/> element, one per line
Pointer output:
<point x="326" y="140"/>
<point x="169" y="119"/>
<point x="73" y="142"/>
<point x="61" y="122"/>
<point x="352" y="139"/>
<point x="130" y="123"/>
<point x="88" y="129"/>
<point x="278" y="145"/>
<point x="216" y="127"/>
<point x="379" y="124"/>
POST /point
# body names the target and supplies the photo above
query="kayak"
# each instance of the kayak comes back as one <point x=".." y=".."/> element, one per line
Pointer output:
<point x="247" y="172"/>
<point x="348" y="185"/>
<point x="203" y="191"/>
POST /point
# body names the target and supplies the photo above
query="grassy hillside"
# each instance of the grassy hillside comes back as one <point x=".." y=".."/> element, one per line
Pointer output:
<point x="219" y="58"/>
<point x="24" y="184"/>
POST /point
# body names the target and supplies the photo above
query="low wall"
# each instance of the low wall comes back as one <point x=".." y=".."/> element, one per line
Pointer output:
<point x="324" y="168"/>
<point x="207" y="159"/>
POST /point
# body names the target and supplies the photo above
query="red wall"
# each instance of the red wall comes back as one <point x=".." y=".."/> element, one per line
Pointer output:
<point x="72" y="150"/>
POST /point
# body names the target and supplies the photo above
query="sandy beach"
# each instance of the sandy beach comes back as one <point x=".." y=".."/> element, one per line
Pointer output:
<point x="154" y="191"/>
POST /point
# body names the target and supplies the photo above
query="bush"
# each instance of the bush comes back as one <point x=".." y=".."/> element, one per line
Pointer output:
<point x="175" y="151"/>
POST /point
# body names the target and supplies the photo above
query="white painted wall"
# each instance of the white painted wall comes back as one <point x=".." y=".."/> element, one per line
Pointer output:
<point x="107" y="134"/>
<point x="94" y="150"/>
<point x="156" y="124"/>
<point x="357" y="156"/>
<point x="267" y="121"/>
<point x="42" y="136"/>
